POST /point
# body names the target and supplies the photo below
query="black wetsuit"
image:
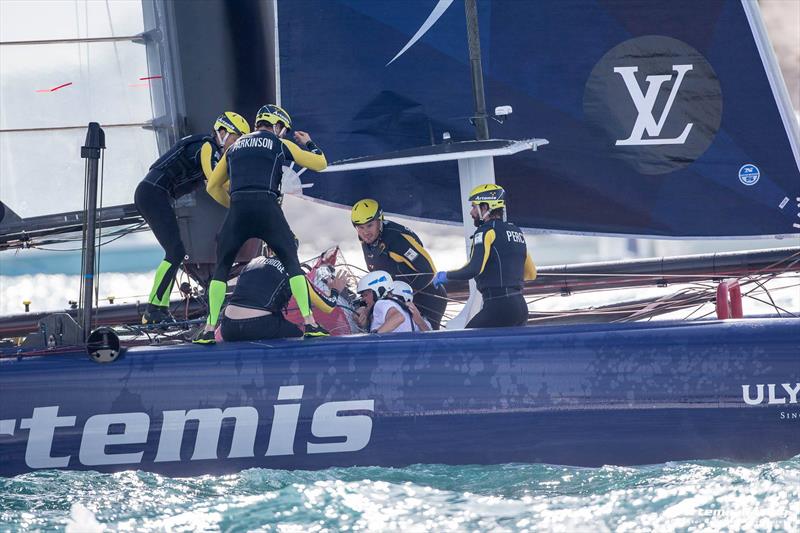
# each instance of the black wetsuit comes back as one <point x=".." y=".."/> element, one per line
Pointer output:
<point x="174" y="174"/>
<point x="399" y="252"/>
<point x="499" y="263"/>
<point x="255" y="169"/>
<point x="264" y="285"/>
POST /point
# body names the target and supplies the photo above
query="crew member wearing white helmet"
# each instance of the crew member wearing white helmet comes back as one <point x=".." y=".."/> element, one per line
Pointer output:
<point x="403" y="294"/>
<point x="381" y="312"/>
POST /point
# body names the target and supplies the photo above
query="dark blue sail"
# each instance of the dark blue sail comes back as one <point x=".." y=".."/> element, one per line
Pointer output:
<point x="662" y="117"/>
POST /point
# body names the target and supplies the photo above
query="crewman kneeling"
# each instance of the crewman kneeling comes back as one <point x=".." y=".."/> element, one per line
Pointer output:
<point x="394" y="248"/>
<point x="261" y="295"/>
<point x="499" y="262"/>
<point x="385" y="306"/>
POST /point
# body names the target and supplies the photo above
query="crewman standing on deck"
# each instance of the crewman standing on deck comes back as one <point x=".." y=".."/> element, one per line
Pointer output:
<point x="394" y="248"/>
<point x="499" y="262"/>
<point x="174" y="174"/>
<point x="254" y="167"/>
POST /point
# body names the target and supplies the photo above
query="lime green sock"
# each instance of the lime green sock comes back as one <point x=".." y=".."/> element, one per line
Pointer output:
<point x="164" y="302"/>
<point x="161" y="271"/>
<point x="299" y="287"/>
<point x="216" y="297"/>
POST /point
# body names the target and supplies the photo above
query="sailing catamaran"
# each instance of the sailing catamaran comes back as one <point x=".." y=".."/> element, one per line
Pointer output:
<point x="640" y="119"/>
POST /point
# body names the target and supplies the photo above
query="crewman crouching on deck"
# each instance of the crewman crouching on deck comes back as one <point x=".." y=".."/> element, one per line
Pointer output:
<point x="395" y="249"/>
<point x="384" y="305"/>
<point x="499" y="262"/>
<point x="174" y="174"/>
<point x="262" y="292"/>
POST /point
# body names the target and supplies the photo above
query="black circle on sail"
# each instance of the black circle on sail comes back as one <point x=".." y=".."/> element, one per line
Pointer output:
<point x="656" y="101"/>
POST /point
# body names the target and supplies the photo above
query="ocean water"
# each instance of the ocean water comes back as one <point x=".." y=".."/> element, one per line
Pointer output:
<point x="681" y="496"/>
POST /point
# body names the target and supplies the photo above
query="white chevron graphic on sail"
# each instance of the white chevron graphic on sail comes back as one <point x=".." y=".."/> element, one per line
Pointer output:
<point x="437" y="12"/>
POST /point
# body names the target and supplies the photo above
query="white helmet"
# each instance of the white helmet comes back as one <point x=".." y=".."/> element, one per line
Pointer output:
<point x="403" y="290"/>
<point x="379" y="281"/>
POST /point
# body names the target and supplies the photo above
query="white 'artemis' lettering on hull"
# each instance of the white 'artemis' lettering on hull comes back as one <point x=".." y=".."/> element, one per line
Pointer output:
<point x="97" y="442"/>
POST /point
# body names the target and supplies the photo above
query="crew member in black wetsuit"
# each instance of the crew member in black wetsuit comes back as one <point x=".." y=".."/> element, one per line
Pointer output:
<point x="255" y="310"/>
<point x="174" y="174"/>
<point x="499" y="262"/>
<point x="254" y="167"/>
<point x="397" y="250"/>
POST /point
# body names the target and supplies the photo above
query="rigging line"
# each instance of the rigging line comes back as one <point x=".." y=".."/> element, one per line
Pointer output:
<point x="99" y="237"/>
<point x="656" y="305"/>
<point x="37" y="247"/>
<point x="127" y="229"/>
<point x="84" y="228"/>
<point x="707" y="314"/>
<point x="680" y="298"/>
<point x="649" y="315"/>
<point x="116" y="236"/>
<point x="774" y="305"/>
<point x="585" y="311"/>
<point x="639" y="305"/>
<point x="622" y="275"/>
<point x="695" y="310"/>
<point x="74" y="40"/>
<point x="39" y="244"/>
<point x="755" y="280"/>
<point x="660" y="311"/>
<point x="81" y="127"/>
<point x="775" y="289"/>
<point x="766" y="291"/>
<point x="354" y="267"/>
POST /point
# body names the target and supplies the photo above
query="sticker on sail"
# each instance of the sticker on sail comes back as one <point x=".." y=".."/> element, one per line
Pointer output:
<point x="749" y="174"/>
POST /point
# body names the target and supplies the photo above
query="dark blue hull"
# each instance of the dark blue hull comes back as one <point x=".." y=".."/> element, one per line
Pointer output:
<point x="578" y="395"/>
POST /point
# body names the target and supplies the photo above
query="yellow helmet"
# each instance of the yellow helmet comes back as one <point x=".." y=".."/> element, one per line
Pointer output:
<point x="232" y="123"/>
<point x="489" y="193"/>
<point x="365" y="210"/>
<point x="273" y="114"/>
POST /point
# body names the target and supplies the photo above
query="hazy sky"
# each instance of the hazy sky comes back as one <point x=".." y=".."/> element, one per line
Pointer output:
<point x="782" y="18"/>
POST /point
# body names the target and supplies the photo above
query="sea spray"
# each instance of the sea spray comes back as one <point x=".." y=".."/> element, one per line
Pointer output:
<point x="701" y="495"/>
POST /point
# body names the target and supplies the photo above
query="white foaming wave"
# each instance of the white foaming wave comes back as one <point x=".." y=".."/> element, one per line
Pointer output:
<point x="82" y="520"/>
